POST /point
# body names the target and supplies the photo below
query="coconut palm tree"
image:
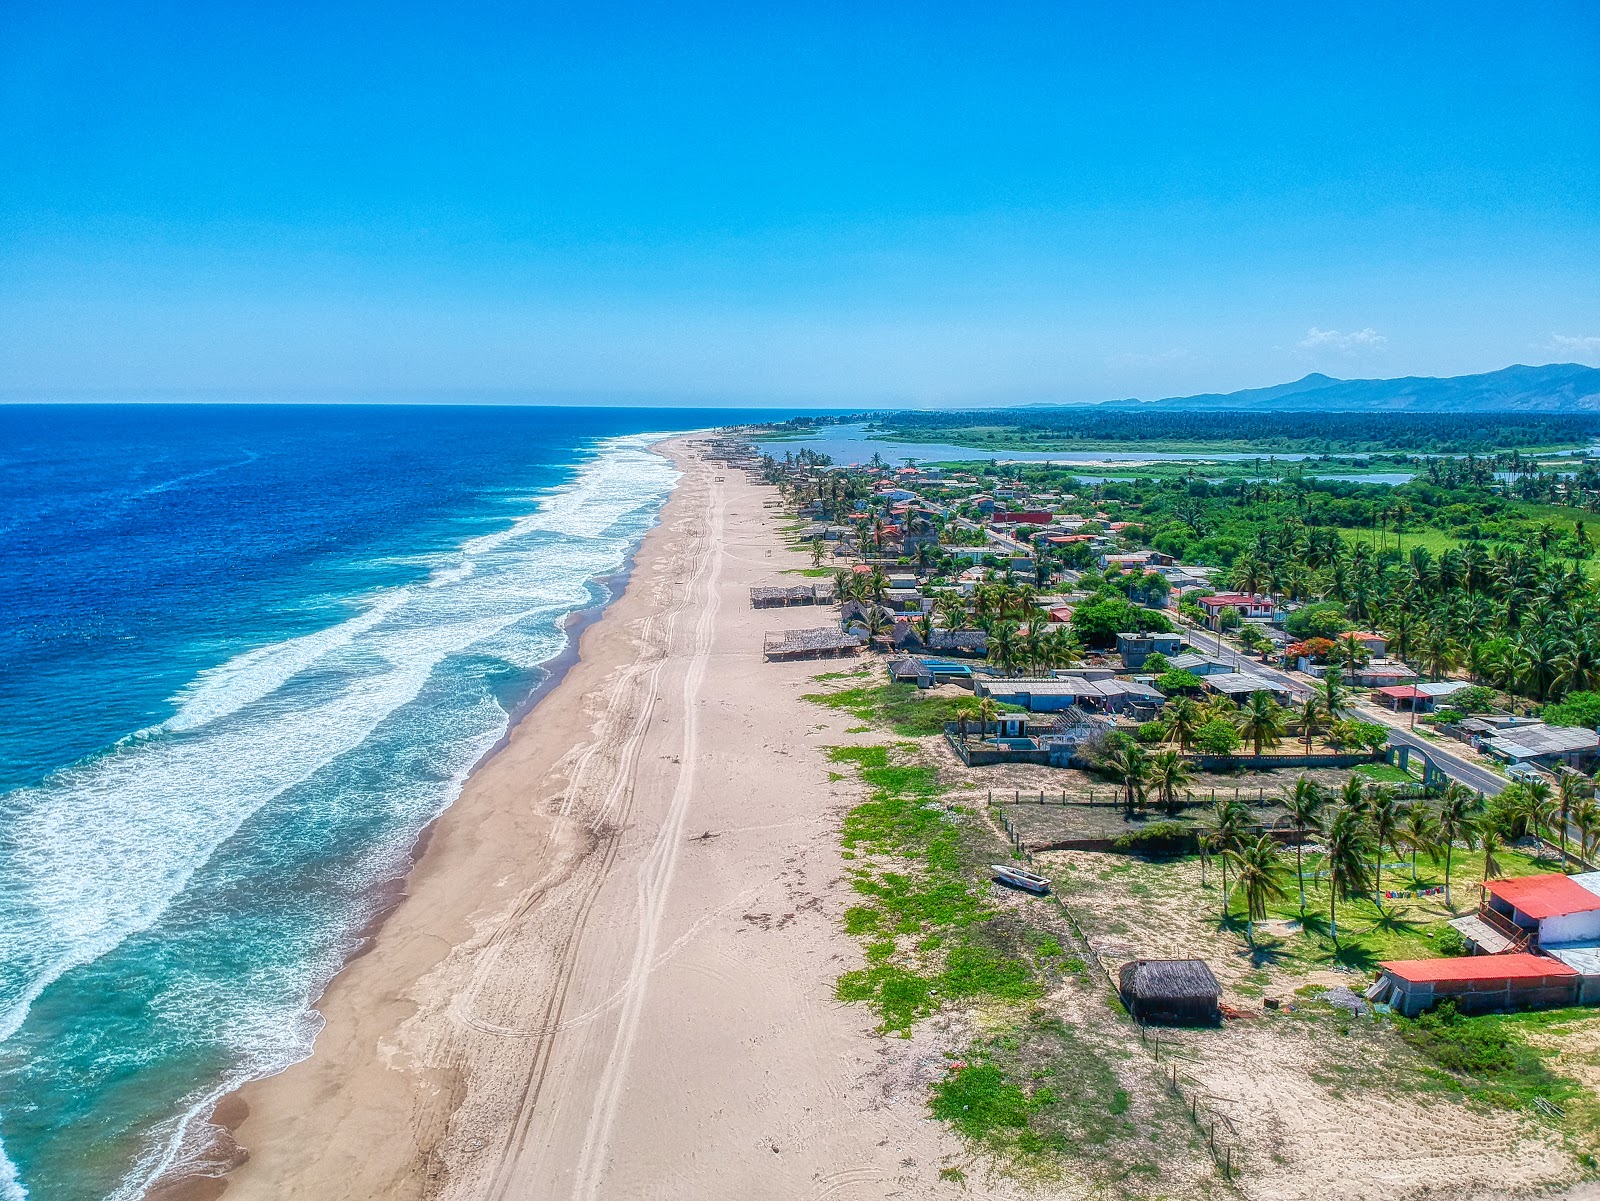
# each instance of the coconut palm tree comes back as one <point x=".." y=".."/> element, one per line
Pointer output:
<point x="965" y="711"/>
<point x="988" y="711"/>
<point x="1258" y="870"/>
<point x="1183" y="718"/>
<point x="1533" y="803"/>
<point x="1571" y="789"/>
<point x="1586" y="817"/>
<point x="1420" y="831"/>
<point x="1168" y="774"/>
<point x="1347" y="843"/>
<point x="1125" y="761"/>
<point x="1332" y="695"/>
<point x="1353" y="795"/>
<point x="1304" y="803"/>
<point x="1309" y="719"/>
<point x="1459" y="811"/>
<point x="1226" y="831"/>
<point x="1492" y="839"/>
<point x="876" y="621"/>
<point x="1261" y="720"/>
<point x="1384" y="818"/>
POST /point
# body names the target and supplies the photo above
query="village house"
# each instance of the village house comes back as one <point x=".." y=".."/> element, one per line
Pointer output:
<point x="1023" y="517"/>
<point x="1135" y="560"/>
<point x="1477" y="983"/>
<point x="1423" y="698"/>
<point x="1248" y="606"/>
<point x="1380" y="673"/>
<point x="1240" y="686"/>
<point x="1543" y="745"/>
<point x="1531" y="912"/>
<point x="1136" y="648"/>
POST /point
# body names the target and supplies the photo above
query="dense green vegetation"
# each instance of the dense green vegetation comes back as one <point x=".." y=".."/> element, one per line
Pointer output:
<point x="1106" y="426"/>
<point x="1510" y="599"/>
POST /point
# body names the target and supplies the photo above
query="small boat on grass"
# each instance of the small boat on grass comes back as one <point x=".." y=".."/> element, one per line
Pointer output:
<point x="1020" y="877"/>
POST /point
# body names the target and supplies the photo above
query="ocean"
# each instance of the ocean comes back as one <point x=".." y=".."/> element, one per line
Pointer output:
<point x="247" y="653"/>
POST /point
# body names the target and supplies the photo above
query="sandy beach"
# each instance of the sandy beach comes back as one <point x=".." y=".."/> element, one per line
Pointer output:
<point x="612" y="971"/>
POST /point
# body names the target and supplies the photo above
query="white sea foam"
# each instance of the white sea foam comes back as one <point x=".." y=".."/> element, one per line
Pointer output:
<point x="99" y="851"/>
<point x="10" y="1187"/>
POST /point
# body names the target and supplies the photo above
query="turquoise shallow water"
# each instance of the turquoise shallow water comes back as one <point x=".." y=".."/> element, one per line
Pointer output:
<point x="250" y="654"/>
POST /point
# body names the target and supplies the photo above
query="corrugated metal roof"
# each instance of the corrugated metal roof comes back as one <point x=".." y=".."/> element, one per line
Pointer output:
<point x="1520" y="966"/>
<point x="1544" y="896"/>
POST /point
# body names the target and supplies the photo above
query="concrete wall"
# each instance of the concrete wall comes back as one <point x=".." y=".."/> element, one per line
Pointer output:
<point x="1489" y="996"/>
<point x="1570" y="927"/>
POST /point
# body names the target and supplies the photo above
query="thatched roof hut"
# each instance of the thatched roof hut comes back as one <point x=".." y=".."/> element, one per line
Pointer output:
<point x="1170" y="990"/>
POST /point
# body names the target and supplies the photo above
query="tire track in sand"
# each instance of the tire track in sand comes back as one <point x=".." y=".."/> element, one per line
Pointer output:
<point x="617" y="804"/>
<point x="655" y="883"/>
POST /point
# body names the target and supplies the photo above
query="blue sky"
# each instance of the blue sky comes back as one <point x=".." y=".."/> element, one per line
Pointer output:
<point x="796" y="204"/>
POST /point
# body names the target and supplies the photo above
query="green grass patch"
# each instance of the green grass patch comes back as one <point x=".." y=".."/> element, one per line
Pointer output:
<point x="1044" y="1091"/>
<point x="903" y="708"/>
<point x="1489" y="1061"/>
<point x="1384" y="773"/>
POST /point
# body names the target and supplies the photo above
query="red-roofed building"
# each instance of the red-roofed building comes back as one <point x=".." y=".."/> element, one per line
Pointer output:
<point x="1477" y="983"/>
<point x="1251" y="608"/>
<point x="1027" y="517"/>
<point x="1555" y="905"/>
<point x="1394" y="694"/>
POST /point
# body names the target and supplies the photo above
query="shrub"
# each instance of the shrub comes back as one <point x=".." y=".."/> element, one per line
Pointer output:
<point x="1172" y="682"/>
<point x="1159" y="839"/>
<point x="1361" y="735"/>
<point x="1156" y="663"/>
<point x="1151" y="732"/>
<point x="1217" y="737"/>
<point x="1325" y="619"/>
<point x="1577" y="709"/>
<point x="1449" y="941"/>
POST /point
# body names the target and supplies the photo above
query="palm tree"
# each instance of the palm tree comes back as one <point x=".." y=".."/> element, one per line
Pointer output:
<point x="988" y="711"/>
<point x="1261" y="720"/>
<point x="1183" y="718"/>
<point x="877" y="621"/>
<point x="1384" y="816"/>
<point x="1169" y="773"/>
<point x="1586" y="816"/>
<point x="1259" y="871"/>
<point x="1492" y="840"/>
<point x="1532" y="802"/>
<point x="1229" y="820"/>
<point x="1346" y="840"/>
<point x="965" y="710"/>
<point x="1571" y="789"/>
<point x="1304" y="803"/>
<point x="1125" y="761"/>
<point x="1420" y="832"/>
<point x="1310" y="719"/>
<point x="1459" y="809"/>
<point x="1332" y="694"/>
<point x="1353" y="796"/>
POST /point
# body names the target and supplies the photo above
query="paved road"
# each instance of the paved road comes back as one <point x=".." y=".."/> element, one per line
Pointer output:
<point x="1208" y="643"/>
<point x="1470" y="774"/>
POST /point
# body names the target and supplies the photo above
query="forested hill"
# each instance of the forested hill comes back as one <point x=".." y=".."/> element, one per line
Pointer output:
<point x="1557" y="388"/>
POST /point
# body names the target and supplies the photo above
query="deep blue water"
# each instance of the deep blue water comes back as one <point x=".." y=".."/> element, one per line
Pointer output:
<point x="246" y="654"/>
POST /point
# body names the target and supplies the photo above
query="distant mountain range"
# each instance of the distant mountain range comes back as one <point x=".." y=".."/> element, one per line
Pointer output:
<point x="1557" y="388"/>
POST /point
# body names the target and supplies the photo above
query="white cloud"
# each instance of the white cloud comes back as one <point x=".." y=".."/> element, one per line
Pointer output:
<point x="1582" y="346"/>
<point x="1351" y="343"/>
